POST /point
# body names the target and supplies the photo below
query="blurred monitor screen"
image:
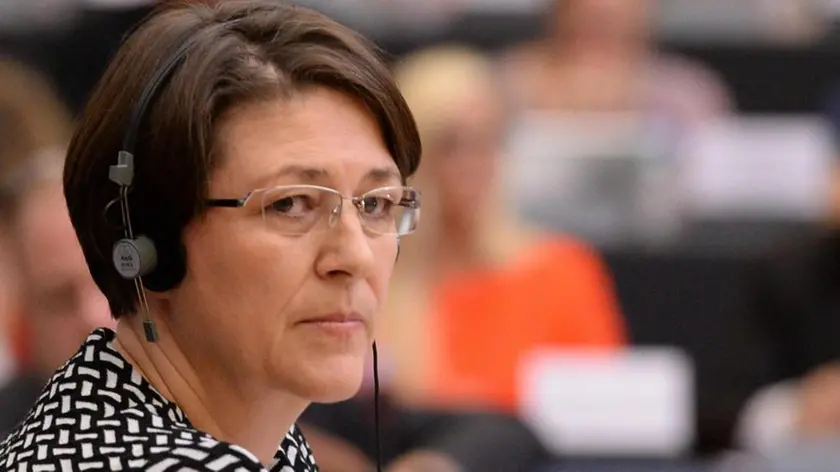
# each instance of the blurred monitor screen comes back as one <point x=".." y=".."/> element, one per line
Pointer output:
<point x="579" y="172"/>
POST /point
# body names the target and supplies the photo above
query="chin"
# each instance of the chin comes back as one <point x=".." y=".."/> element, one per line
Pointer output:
<point x="331" y="379"/>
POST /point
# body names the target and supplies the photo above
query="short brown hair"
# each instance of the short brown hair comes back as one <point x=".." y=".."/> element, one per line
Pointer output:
<point x="268" y="50"/>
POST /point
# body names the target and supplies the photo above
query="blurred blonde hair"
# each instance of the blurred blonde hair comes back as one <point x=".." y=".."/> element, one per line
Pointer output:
<point x="433" y="82"/>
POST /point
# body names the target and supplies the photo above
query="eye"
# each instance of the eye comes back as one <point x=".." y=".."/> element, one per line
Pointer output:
<point x="377" y="206"/>
<point x="293" y="205"/>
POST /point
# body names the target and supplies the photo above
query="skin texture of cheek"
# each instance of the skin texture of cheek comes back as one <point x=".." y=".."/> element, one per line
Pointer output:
<point x="251" y="331"/>
<point x="240" y="297"/>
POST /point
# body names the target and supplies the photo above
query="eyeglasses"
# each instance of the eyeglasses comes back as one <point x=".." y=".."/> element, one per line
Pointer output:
<point x="299" y="209"/>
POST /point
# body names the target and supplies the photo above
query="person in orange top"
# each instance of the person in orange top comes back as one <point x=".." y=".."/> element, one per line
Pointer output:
<point x="555" y="294"/>
<point x="475" y="289"/>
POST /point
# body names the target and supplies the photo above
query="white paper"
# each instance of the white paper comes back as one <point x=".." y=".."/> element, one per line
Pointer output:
<point x="638" y="402"/>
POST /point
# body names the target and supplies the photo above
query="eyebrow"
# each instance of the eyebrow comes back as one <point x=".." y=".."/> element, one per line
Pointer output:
<point x="315" y="174"/>
<point x="305" y="173"/>
<point x="383" y="175"/>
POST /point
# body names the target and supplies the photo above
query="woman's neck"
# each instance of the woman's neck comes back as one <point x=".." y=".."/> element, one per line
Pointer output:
<point x="256" y="419"/>
<point x="459" y="246"/>
<point x="615" y="50"/>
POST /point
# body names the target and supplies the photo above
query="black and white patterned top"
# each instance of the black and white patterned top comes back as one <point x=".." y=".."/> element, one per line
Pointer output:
<point x="98" y="413"/>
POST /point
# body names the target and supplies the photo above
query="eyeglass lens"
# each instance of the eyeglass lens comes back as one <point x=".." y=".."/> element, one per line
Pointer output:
<point x="296" y="210"/>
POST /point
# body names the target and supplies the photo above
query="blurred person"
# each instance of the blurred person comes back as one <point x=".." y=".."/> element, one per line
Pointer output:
<point x="62" y="305"/>
<point x="795" y="307"/>
<point x="600" y="55"/>
<point x="264" y="151"/>
<point x="477" y="289"/>
<point x="32" y="119"/>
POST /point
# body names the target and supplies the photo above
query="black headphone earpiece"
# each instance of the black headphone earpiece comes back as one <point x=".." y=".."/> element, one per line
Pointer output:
<point x="171" y="265"/>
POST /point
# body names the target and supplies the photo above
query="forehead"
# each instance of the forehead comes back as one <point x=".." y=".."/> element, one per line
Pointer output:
<point x="318" y="128"/>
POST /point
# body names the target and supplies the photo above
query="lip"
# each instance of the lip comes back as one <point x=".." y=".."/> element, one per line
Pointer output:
<point x="340" y="325"/>
<point x="347" y="317"/>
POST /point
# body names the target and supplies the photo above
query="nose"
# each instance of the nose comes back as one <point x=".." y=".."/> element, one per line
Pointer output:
<point x="345" y="252"/>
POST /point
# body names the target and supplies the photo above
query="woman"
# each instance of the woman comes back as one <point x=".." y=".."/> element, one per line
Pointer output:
<point x="32" y="120"/>
<point x="477" y="290"/>
<point x="599" y="56"/>
<point x="60" y="304"/>
<point x="244" y="242"/>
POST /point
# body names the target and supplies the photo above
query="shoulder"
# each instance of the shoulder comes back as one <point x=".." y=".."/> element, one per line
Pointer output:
<point x="148" y="449"/>
<point x="117" y="445"/>
<point x="97" y="413"/>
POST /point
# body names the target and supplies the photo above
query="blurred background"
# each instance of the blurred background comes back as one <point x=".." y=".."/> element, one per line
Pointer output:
<point x="629" y="257"/>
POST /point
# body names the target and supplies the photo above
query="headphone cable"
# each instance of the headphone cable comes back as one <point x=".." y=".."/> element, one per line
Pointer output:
<point x="376" y="408"/>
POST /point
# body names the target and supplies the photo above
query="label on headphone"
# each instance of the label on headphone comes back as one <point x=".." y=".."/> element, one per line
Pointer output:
<point x="127" y="258"/>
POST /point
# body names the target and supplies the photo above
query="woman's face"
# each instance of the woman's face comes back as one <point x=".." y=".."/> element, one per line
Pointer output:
<point x="461" y="157"/>
<point x="245" y="311"/>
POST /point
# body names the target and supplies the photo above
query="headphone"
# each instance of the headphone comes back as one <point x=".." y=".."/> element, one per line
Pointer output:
<point x="137" y="256"/>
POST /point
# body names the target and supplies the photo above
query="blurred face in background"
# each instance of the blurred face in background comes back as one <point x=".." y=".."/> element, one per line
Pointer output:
<point x="461" y="155"/>
<point x="596" y="24"/>
<point x="64" y="304"/>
